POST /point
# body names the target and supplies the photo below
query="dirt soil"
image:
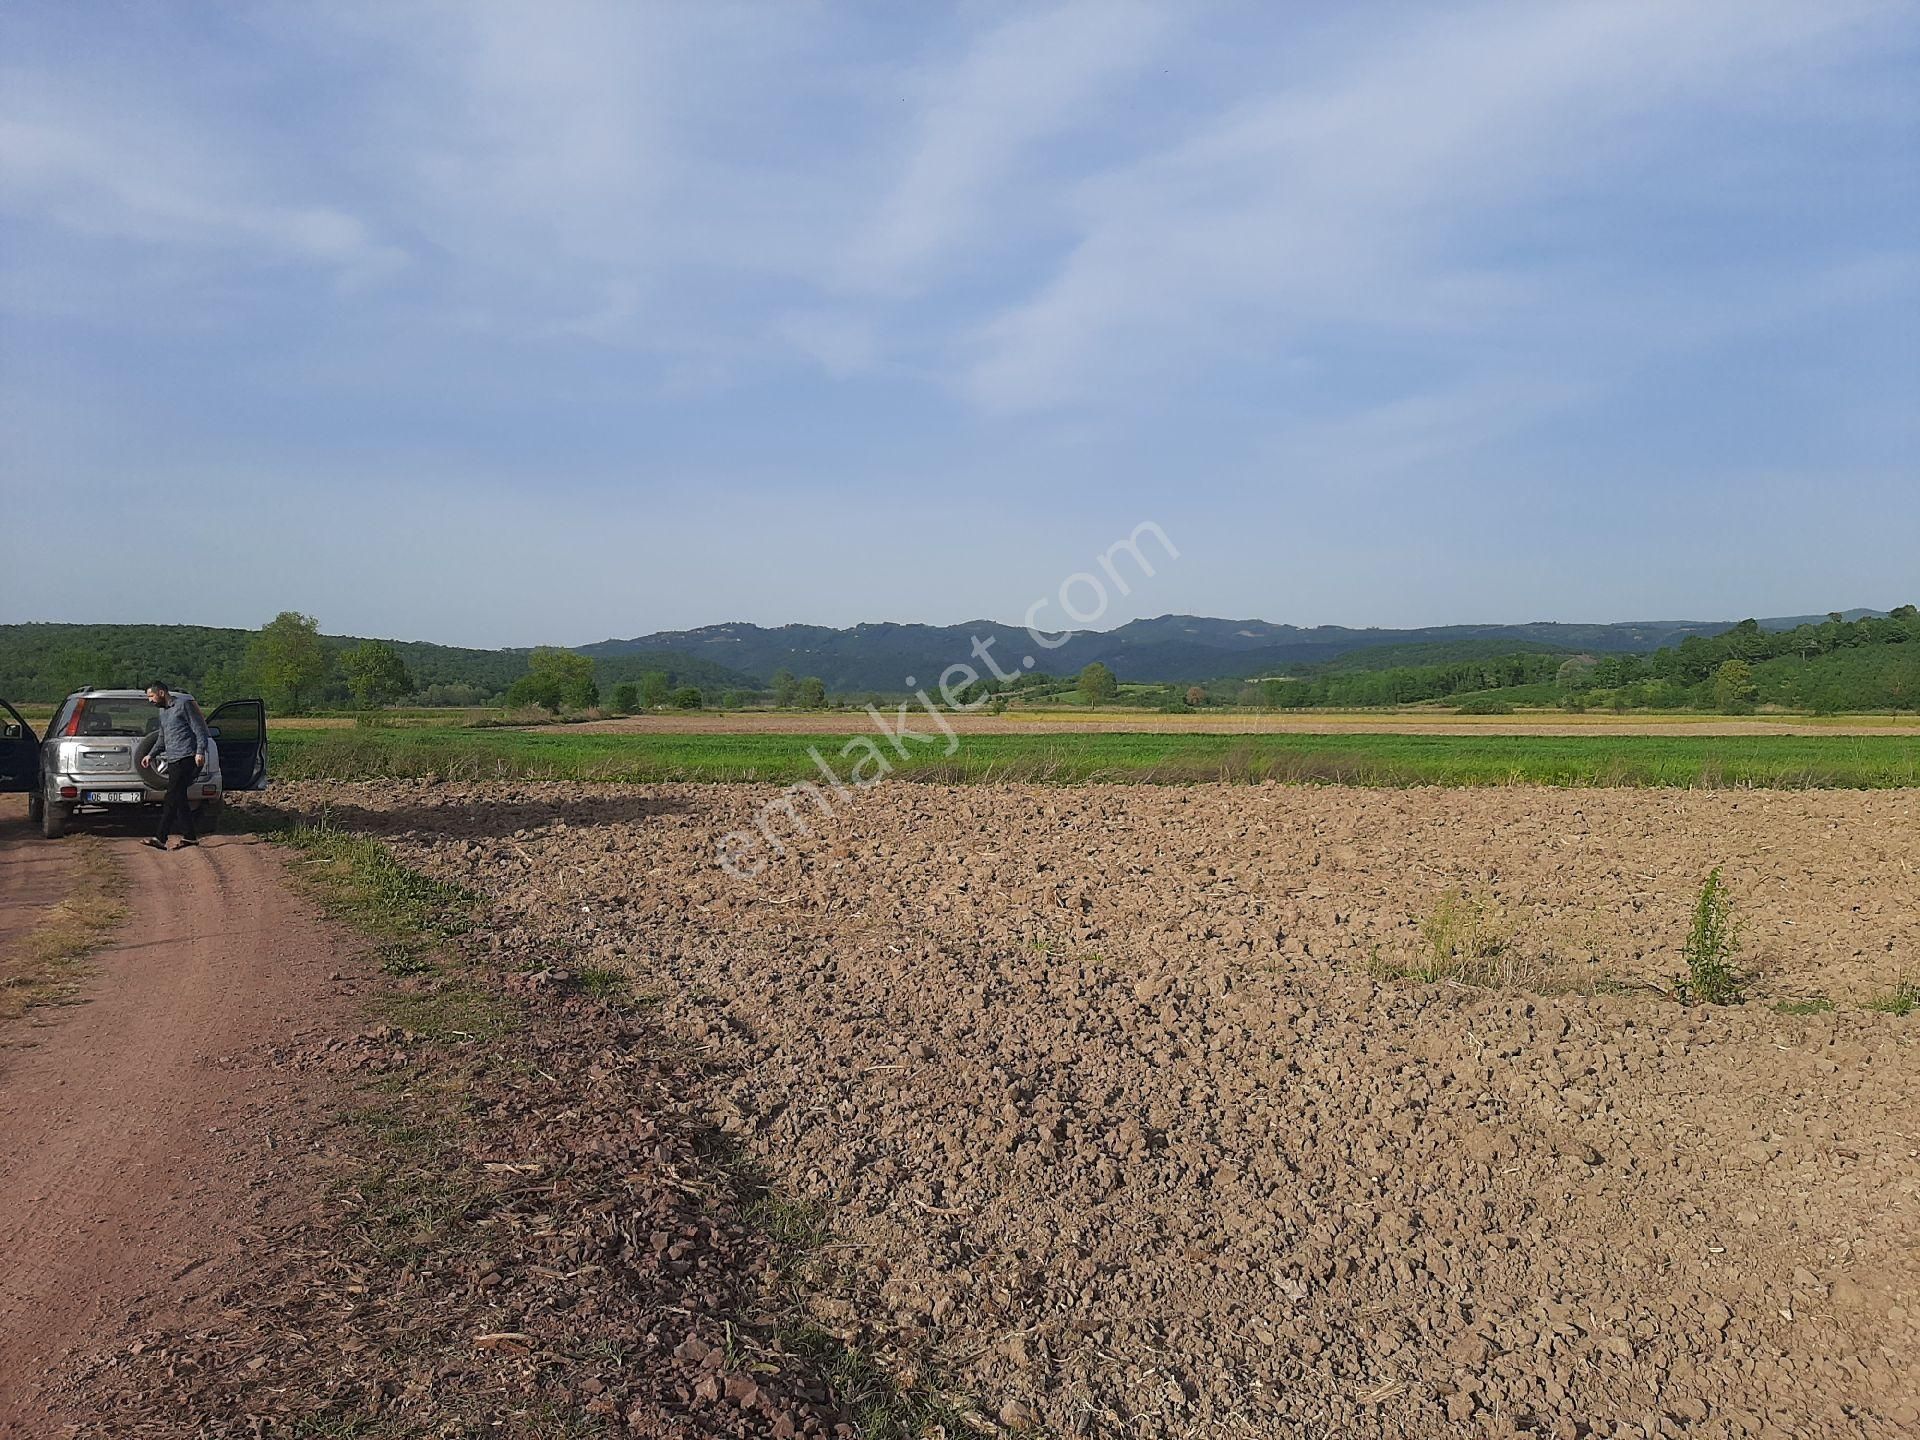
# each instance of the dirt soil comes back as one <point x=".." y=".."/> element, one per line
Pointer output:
<point x="1099" y="1094"/>
<point x="230" y="1207"/>
<point x="34" y="877"/>
<point x="144" y="1135"/>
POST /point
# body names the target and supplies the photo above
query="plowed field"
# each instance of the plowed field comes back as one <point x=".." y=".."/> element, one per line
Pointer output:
<point x="1112" y="1112"/>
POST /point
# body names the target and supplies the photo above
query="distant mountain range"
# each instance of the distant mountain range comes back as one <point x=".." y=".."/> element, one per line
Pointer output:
<point x="1169" y="648"/>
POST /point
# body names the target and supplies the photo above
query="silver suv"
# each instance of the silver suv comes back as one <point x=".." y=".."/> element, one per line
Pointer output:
<point x="89" y="762"/>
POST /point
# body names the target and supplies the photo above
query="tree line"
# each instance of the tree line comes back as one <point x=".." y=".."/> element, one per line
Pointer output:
<point x="294" y="667"/>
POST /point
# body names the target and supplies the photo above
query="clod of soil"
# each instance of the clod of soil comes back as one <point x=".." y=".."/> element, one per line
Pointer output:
<point x="1100" y="1090"/>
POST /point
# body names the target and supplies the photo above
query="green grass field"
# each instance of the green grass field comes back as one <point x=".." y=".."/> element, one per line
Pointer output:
<point x="1768" y="761"/>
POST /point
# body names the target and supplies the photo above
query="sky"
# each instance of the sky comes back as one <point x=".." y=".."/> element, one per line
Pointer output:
<point x="501" y="324"/>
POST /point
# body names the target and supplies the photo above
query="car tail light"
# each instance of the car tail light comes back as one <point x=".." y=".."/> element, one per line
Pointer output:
<point x="69" y="792"/>
<point x="73" y="725"/>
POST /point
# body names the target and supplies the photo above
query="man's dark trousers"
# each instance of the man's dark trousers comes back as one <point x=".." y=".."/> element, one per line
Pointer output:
<point x="180" y="774"/>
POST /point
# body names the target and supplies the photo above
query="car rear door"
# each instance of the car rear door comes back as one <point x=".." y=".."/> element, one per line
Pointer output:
<point x="241" y="728"/>
<point x="19" y="751"/>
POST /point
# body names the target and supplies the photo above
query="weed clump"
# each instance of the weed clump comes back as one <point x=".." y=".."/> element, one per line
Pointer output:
<point x="1711" y="977"/>
<point x="1902" y="1000"/>
<point x="1465" y="941"/>
<point x="1464" y="935"/>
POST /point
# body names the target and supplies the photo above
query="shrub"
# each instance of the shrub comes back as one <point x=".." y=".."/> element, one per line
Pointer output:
<point x="1711" y="978"/>
<point x="626" y="698"/>
<point x="455" y="694"/>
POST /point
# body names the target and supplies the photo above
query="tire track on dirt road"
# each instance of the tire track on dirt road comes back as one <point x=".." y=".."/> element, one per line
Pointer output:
<point x="147" y="1139"/>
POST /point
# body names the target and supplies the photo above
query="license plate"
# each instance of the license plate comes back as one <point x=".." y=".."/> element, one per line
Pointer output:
<point x="111" y="797"/>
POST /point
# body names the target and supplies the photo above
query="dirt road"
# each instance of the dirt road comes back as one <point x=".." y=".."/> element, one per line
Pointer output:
<point x="142" y="1132"/>
<point x="33" y="877"/>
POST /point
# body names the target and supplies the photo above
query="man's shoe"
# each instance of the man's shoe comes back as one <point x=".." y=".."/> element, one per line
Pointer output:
<point x="186" y="840"/>
<point x="156" y="844"/>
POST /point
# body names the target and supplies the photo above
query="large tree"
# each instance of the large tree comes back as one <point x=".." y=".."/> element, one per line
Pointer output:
<point x="655" y="688"/>
<point x="1733" y="687"/>
<point x="290" y="660"/>
<point x="1097" y="684"/>
<point x="556" y="680"/>
<point x="375" y="674"/>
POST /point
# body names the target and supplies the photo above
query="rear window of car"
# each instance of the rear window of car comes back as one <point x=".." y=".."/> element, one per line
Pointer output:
<point x="128" y="719"/>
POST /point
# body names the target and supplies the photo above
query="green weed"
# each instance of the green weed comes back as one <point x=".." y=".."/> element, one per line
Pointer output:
<point x="1712" y="941"/>
<point x="605" y="984"/>
<point x="1902" y="1000"/>
<point x="1812" y="1005"/>
<point x="881" y="1409"/>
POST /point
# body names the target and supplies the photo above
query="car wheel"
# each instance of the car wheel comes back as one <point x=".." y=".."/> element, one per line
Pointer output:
<point x="53" y="819"/>
<point x="207" y="817"/>
<point x="36" y="802"/>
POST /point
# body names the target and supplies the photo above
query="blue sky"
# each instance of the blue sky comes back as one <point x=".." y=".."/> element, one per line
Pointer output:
<point x="498" y="324"/>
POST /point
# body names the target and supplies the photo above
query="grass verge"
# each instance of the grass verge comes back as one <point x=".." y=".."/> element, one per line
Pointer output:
<point x="44" y="966"/>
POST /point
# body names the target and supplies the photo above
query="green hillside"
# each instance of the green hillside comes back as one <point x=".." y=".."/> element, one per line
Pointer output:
<point x="42" y="662"/>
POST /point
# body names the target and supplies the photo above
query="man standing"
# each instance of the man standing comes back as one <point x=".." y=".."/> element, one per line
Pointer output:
<point x="183" y="747"/>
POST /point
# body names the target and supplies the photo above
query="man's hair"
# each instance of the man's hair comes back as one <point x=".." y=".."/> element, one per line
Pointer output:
<point x="161" y="686"/>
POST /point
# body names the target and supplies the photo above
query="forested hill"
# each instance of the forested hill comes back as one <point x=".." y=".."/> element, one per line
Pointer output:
<point x="1166" y="649"/>
<point x="44" y="661"/>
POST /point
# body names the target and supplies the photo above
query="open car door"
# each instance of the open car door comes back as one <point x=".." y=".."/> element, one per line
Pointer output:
<point x="241" y="728"/>
<point x="19" y="751"/>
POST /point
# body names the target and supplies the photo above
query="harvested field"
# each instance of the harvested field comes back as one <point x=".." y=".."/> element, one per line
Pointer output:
<point x="1102" y="1095"/>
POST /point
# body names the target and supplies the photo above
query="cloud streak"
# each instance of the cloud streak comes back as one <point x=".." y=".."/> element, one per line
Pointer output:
<point x="1358" y="201"/>
<point x="99" y="175"/>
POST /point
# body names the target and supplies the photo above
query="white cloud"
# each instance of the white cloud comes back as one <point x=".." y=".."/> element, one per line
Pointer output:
<point x="1345" y="202"/>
